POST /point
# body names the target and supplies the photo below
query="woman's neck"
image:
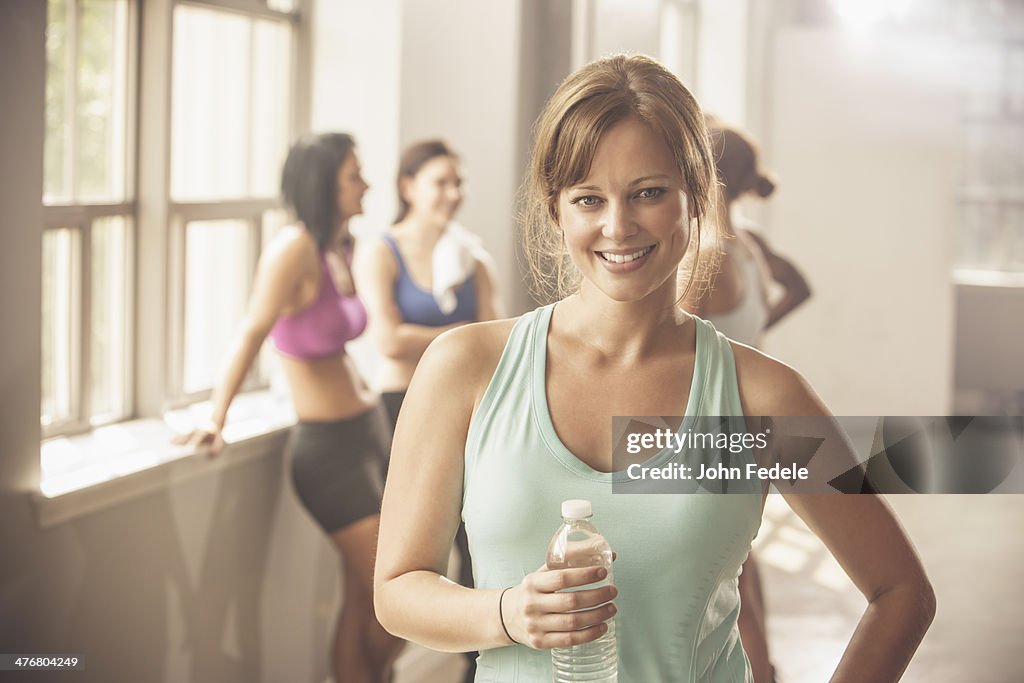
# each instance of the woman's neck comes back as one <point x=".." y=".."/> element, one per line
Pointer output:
<point x="627" y="330"/>
<point x="341" y="236"/>
<point x="419" y="231"/>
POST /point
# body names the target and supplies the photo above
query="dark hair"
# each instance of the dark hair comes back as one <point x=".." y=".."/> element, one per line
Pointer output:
<point x="410" y="163"/>
<point x="309" y="182"/>
<point x="737" y="163"/>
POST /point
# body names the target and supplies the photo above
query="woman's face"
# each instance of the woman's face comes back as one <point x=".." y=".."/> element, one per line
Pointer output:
<point x="435" y="192"/>
<point x="626" y="225"/>
<point x="351" y="187"/>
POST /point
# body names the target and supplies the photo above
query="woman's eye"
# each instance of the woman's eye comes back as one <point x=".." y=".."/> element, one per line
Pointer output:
<point x="586" y="200"/>
<point x="650" y="193"/>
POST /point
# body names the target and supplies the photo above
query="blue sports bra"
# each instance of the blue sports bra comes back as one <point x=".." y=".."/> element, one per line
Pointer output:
<point x="418" y="306"/>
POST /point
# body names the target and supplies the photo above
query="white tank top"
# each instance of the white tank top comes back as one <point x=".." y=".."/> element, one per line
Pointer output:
<point x="747" y="321"/>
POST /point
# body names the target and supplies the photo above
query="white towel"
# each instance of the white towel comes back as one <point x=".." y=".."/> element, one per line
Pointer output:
<point x="455" y="257"/>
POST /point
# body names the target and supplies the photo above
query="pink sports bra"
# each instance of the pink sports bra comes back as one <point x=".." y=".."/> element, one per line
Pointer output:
<point x="322" y="328"/>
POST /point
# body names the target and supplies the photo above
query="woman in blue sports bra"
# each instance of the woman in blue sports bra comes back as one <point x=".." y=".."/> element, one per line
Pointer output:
<point x="304" y="299"/>
<point x="425" y="277"/>
<point x="428" y="274"/>
<point x="506" y="419"/>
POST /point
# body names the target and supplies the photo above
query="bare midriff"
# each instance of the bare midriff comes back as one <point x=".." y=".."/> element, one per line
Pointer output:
<point x="326" y="389"/>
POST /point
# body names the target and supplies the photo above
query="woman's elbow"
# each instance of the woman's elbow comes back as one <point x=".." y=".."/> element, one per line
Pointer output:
<point x="916" y="600"/>
<point x="382" y="607"/>
<point x="927" y="601"/>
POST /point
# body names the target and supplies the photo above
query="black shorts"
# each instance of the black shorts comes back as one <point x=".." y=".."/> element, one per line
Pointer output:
<point x="393" y="404"/>
<point x="339" y="468"/>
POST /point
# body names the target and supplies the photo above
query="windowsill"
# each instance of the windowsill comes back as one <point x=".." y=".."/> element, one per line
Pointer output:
<point x="123" y="461"/>
<point x="988" y="278"/>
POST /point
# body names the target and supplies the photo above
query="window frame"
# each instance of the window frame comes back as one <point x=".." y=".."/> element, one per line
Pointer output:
<point x="249" y="209"/>
<point x="156" y="224"/>
<point x="78" y="216"/>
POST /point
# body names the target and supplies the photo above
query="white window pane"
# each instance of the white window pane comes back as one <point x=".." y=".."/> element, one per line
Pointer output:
<point x="983" y="68"/>
<point x="1015" y="231"/>
<point x="60" y="324"/>
<point x="217" y="274"/>
<point x="102" y="69"/>
<point x="108" y="350"/>
<point x="282" y="5"/>
<point x="271" y="105"/>
<point x="994" y="157"/>
<point x="210" y="104"/>
<point x="981" y="237"/>
<point x="57" y="170"/>
<point x="1015" y="80"/>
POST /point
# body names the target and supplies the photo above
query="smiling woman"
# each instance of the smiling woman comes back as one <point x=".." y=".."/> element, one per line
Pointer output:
<point x="623" y="220"/>
<point x="678" y="167"/>
<point x="620" y="184"/>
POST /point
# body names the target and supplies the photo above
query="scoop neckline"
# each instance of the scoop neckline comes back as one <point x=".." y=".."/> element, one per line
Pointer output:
<point x="542" y="412"/>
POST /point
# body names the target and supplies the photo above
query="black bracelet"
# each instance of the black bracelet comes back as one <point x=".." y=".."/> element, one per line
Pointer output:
<point x="502" y="617"/>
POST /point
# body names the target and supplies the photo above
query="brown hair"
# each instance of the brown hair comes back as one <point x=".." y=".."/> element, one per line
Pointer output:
<point x="584" y="107"/>
<point x="410" y="163"/>
<point x="737" y="157"/>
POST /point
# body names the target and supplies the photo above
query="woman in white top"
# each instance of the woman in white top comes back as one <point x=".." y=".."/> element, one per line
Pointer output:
<point x="740" y="305"/>
<point x="740" y="301"/>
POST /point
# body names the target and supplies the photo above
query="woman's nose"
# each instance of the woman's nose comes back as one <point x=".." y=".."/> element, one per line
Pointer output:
<point x="619" y="224"/>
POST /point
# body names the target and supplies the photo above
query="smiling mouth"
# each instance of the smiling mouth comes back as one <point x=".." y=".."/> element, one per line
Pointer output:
<point x="625" y="258"/>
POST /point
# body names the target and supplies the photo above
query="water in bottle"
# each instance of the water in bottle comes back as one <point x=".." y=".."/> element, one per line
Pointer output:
<point x="577" y="543"/>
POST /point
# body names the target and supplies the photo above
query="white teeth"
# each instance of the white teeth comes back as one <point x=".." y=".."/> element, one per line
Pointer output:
<point x="625" y="258"/>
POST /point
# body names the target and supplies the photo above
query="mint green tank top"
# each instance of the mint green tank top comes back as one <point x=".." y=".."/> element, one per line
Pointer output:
<point x="679" y="555"/>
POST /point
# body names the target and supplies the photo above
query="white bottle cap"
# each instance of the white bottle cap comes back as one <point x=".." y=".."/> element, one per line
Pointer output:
<point x="577" y="509"/>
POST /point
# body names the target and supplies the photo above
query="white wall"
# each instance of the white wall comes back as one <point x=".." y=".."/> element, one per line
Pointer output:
<point x="460" y="81"/>
<point x="357" y="52"/>
<point x="865" y="138"/>
<point x="630" y="26"/>
<point x="721" y="84"/>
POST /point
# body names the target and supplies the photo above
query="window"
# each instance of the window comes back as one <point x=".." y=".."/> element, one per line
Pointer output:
<point x="230" y="127"/>
<point x="992" y="196"/>
<point x="160" y="189"/>
<point x="88" y="215"/>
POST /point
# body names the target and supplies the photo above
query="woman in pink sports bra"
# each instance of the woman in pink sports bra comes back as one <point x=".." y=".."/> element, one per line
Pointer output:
<point x="304" y="298"/>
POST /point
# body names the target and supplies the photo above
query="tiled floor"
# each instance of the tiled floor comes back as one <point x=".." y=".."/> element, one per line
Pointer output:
<point x="973" y="548"/>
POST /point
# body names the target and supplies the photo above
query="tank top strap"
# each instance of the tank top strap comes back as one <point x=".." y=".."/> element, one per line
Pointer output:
<point x="397" y="253"/>
<point x="716" y="363"/>
<point x="508" y="395"/>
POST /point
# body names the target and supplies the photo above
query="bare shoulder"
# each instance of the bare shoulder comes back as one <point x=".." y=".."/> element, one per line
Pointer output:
<point x="292" y="244"/>
<point x="476" y="346"/>
<point x="374" y="256"/>
<point x="376" y="250"/>
<point x="770" y="387"/>
<point x="466" y="356"/>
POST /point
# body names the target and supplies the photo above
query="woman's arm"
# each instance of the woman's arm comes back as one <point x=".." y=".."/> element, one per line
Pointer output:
<point x="862" y="534"/>
<point x="375" y="272"/>
<point x="278" y="275"/>
<point x="488" y="302"/>
<point x="420" y="514"/>
<point x="783" y="271"/>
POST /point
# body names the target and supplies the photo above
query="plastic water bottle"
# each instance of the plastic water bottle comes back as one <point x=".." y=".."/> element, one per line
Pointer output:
<point x="577" y="543"/>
